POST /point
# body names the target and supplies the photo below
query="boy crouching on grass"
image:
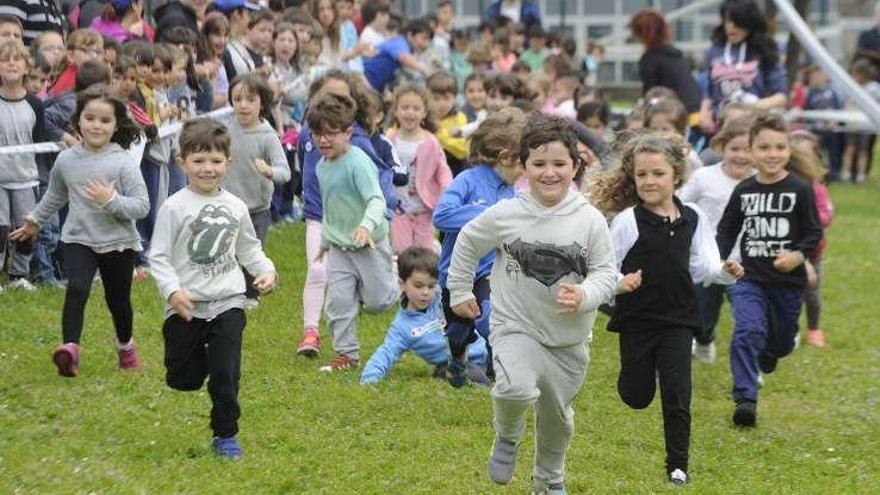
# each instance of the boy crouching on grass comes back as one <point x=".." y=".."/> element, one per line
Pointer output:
<point x="555" y="265"/>
<point x="201" y="237"/>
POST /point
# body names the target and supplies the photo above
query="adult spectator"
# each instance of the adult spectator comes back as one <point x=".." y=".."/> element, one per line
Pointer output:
<point x="662" y="64"/>
<point x="525" y="12"/>
<point x="36" y="16"/>
<point x="868" y="46"/>
<point x="122" y="20"/>
<point x="742" y="63"/>
<point x="186" y="13"/>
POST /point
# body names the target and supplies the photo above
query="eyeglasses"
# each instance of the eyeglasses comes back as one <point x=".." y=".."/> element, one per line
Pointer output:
<point x="319" y="136"/>
<point x="91" y="51"/>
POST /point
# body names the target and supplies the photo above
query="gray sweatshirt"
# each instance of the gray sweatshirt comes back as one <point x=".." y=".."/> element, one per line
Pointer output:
<point x="242" y="179"/>
<point x="199" y="244"/>
<point x="537" y="248"/>
<point x="103" y="228"/>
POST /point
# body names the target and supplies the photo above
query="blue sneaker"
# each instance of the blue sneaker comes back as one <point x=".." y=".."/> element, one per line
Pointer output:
<point x="227" y="448"/>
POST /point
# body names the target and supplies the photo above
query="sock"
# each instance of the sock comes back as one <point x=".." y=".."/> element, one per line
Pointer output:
<point x="125" y="346"/>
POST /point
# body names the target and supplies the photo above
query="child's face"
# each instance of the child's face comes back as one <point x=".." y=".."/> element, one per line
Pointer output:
<point x="771" y="152"/>
<point x="126" y="83"/>
<point x="158" y="76"/>
<point x="654" y="178"/>
<point x="496" y="101"/>
<point x="205" y="170"/>
<point x="259" y="37"/>
<point x="325" y="14"/>
<point x="13" y="70"/>
<point x="332" y="143"/>
<point x="460" y="43"/>
<point x="517" y="41"/>
<point x="410" y="111"/>
<point x="97" y="123"/>
<point x="144" y="71"/>
<point x="445" y="15"/>
<point x="537" y="43"/>
<point x="52" y="48"/>
<point x="441" y="104"/>
<point x="10" y="32"/>
<point x="419" y="288"/>
<point x="285" y="45"/>
<point x="818" y="78"/>
<point x="550" y="170"/>
<point x="36" y="81"/>
<point x="303" y="34"/>
<point x="218" y="41"/>
<point x="110" y="57"/>
<point x="662" y="123"/>
<point x="85" y="53"/>
<point x="246" y="106"/>
<point x="345" y="9"/>
<point x="419" y="42"/>
<point x="595" y="124"/>
<point x="562" y="91"/>
<point x="475" y="94"/>
<point x="178" y="73"/>
<point x="737" y="157"/>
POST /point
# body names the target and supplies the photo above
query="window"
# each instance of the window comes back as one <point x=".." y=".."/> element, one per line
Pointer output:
<point x="630" y="71"/>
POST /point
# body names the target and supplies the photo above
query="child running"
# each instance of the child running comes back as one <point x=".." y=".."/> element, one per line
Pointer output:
<point x="663" y="247"/>
<point x="203" y="235"/>
<point x="776" y="212"/>
<point x="354" y="231"/>
<point x="428" y="174"/>
<point x="419" y="323"/>
<point x="555" y="266"/>
<point x="105" y="193"/>
<point x="490" y="179"/>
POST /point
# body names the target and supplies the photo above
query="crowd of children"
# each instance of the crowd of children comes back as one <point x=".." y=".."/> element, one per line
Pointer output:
<point x="479" y="186"/>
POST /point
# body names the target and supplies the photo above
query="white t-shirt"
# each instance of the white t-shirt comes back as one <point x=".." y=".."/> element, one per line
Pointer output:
<point x="710" y="189"/>
<point x="372" y="37"/>
<point x="410" y="201"/>
<point x="511" y="9"/>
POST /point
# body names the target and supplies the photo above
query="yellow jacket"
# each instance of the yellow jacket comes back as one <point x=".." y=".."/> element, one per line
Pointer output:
<point x="458" y="147"/>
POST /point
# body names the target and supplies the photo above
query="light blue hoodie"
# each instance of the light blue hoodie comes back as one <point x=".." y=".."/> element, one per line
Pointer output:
<point x="420" y="332"/>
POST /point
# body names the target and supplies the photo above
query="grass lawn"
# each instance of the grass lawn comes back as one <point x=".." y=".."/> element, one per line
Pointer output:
<point x="112" y="432"/>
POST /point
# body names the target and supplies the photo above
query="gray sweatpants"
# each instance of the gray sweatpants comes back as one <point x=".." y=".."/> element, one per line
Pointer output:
<point x="528" y="373"/>
<point x="15" y="204"/>
<point x="354" y="276"/>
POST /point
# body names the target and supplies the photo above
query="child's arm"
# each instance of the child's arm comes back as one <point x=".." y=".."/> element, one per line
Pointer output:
<point x="279" y="169"/>
<point x="624" y="234"/>
<point x="705" y="264"/>
<point x="811" y="228"/>
<point x="249" y="253"/>
<point x="386" y="355"/>
<point x="476" y="239"/>
<point x="130" y="201"/>
<point x="730" y="224"/>
<point x="161" y="250"/>
<point x="600" y="284"/>
<point x="54" y="199"/>
<point x="823" y="204"/>
<point x="452" y="211"/>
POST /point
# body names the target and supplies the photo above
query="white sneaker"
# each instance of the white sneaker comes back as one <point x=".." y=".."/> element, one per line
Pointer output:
<point x="760" y="379"/>
<point x="251" y="303"/>
<point x="678" y="477"/>
<point x="704" y="353"/>
<point x="23" y="284"/>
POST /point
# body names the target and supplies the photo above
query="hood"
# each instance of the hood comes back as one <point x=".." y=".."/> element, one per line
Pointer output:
<point x="570" y="203"/>
<point x="80" y="150"/>
<point x="263" y="128"/>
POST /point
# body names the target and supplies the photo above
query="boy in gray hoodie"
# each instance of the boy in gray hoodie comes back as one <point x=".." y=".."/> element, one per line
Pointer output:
<point x="554" y="267"/>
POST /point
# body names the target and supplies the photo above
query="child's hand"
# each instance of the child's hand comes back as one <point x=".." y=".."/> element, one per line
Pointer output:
<point x="734" y="268"/>
<point x="28" y="230"/>
<point x="99" y="192"/>
<point x="812" y="276"/>
<point x="181" y="302"/>
<point x="569" y="298"/>
<point x="630" y="282"/>
<point x="455" y="133"/>
<point x="468" y="309"/>
<point x="265" y="283"/>
<point x="262" y="168"/>
<point x="362" y="237"/>
<point x="787" y="261"/>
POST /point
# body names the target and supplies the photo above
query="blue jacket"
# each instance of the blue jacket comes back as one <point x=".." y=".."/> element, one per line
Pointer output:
<point x="529" y="13"/>
<point x="472" y="192"/>
<point x="308" y="155"/>
<point x="420" y="332"/>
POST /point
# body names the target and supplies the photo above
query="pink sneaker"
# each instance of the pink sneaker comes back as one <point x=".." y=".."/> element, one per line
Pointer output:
<point x="128" y="358"/>
<point x="66" y="358"/>
<point x="310" y="343"/>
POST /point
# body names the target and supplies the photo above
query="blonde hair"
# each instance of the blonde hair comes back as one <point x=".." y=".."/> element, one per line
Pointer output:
<point x="501" y="131"/>
<point x="420" y="91"/>
<point x="14" y="49"/>
<point x="615" y="190"/>
<point x="731" y="130"/>
<point x="806" y="165"/>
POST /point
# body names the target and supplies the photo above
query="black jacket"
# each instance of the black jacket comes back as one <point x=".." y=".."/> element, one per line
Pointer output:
<point x="666" y="66"/>
<point x="174" y="14"/>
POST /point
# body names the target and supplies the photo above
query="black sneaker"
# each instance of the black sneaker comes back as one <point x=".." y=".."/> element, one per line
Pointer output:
<point x="767" y="363"/>
<point x="746" y="413"/>
<point x="678" y="477"/>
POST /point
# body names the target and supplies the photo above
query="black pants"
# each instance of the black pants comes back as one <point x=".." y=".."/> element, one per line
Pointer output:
<point x="262" y="221"/>
<point x="647" y="355"/>
<point x="201" y="348"/>
<point x="116" y="269"/>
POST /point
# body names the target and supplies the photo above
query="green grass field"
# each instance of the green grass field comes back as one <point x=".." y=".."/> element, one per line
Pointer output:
<point x="303" y="432"/>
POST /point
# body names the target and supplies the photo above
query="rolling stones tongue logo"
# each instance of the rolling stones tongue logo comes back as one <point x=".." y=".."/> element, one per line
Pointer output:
<point x="213" y="232"/>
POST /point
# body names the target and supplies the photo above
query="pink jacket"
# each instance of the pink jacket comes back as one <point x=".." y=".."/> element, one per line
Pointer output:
<point x="826" y="213"/>
<point x="432" y="173"/>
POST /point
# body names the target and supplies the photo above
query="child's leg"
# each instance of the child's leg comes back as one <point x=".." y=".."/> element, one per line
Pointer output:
<point x="783" y="312"/>
<point x="316" y="277"/>
<point x="516" y="385"/>
<point x="749" y="304"/>
<point x="22" y="202"/>
<point x="150" y="171"/>
<point x="402" y="231"/>
<point x="224" y="368"/>
<point x="562" y="374"/>
<point x="862" y="163"/>
<point x="116" y="267"/>
<point x="423" y="230"/>
<point x="342" y="301"/>
<point x="674" y="369"/>
<point x="81" y="263"/>
<point x="849" y="156"/>
<point x="813" y="299"/>
<point x="637" y="382"/>
<point x="378" y="282"/>
<point x="5" y="224"/>
<point x="262" y="221"/>
<point x="709" y="302"/>
<point x="186" y="361"/>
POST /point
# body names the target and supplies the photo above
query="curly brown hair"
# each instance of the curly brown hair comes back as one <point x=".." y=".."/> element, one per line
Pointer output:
<point x="615" y="190"/>
<point x="127" y="131"/>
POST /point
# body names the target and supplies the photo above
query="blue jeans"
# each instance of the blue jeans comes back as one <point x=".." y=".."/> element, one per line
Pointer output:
<point x="765" y="321"/>
<point x="43" y="263"/>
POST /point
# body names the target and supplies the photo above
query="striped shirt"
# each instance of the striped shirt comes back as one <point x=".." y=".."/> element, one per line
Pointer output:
<point x="37" y="16"/>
